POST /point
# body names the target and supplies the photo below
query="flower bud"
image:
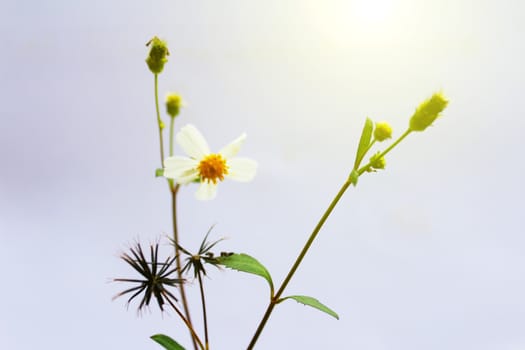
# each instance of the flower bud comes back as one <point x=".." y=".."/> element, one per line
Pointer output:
<point x="157" y="56"/>
<point x="382" y="131"/>
<point x="377" y="162"/>
<point x="427" y="112"/>
<point x="173" y="104"/>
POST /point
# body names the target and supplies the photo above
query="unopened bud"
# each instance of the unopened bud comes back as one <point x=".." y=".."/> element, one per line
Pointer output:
<point x="377" y="162"/>
<point x="427" y="112"/>
<point x="157" y="56"/>
<point x="382" y="131"/>
<point x="173" y="104"/>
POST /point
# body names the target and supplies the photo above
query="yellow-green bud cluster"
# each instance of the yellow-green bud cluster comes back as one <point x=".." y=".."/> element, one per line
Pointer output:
<point x="173" y="104"/>
<point x="377" y="162"/>
<point x="427" y="112"/>
<point x="382" y="131"/>
<point x="157" y="56"/>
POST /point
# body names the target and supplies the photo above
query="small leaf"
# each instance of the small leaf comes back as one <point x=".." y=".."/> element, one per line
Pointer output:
<point x="159" y="172"/>
<point x="309" y="301"/>
<point x="364" y="142"/>
<point x="167" y="342"/>
<point x="245" y="263"/>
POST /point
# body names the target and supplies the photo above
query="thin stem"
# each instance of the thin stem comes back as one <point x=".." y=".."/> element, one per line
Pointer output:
<point x="405" y="134"/>
<point x="174" y="191"/>
<point x="204" y="315"/>
<point x="174" y="188"/>
<point x="172" y="123"/>
<point x="194" y="335"/>
<point x="298" y="261"/>
<point x="159" y="121"/>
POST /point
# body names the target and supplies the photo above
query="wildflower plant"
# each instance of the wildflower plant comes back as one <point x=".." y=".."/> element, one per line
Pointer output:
<point x="164" y="280"/>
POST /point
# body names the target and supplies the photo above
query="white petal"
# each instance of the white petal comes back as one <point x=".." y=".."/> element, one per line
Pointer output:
<point x="207" y="190"/>
<point x="241" y="169"/>
<point x="233" y="148"/>
<point x="187" y="177"/>
<point x="182" y="169"/>
<point x="192" y="142"/>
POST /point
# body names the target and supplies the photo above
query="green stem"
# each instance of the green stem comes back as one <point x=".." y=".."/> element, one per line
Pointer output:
<point x="204" y="315"/>
<point x="194" y="335"/>
<point x="298" y="261"/>
<point x="159" y="121"/>
<point x="172" y="123"/>
<point x="174" y="191"/>
<point x="405" y="134"/>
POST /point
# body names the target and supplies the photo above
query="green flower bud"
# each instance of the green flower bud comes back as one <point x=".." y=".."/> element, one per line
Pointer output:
<point x="382" y="131"/>
<point x="427" y="112"/>
<point x="173" y="104"/>
<point x="377" y="162"/>
<point x="157" y="55"/>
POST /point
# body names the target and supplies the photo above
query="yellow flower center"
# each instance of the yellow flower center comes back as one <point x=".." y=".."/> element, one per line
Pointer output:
<point x="213" y="167"/>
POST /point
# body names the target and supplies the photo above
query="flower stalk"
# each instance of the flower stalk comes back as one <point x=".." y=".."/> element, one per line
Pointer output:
<point x="204" y="314"/>
<point x="194" y="336"/>
<point x="275" y="299"/>
<point x="160" y="123"/>
<point x="156" y="61"/>
<point x="182" y="290"/>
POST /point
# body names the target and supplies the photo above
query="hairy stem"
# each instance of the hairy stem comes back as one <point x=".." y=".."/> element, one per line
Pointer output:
<point x="298" y="261"/>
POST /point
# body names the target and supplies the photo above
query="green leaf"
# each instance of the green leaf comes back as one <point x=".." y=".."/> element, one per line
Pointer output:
<point x="364" y="142"/>
<point x="167" y="342"/>
<point x="309" y="301"/>
<point x="159" y="172"/>
<point x="245" y="263"/>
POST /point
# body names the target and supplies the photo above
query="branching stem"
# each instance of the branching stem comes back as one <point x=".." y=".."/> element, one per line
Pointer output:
<point x="194" y="335"/>
<point x="401" y="138"/>
<point x="298" y="261"/>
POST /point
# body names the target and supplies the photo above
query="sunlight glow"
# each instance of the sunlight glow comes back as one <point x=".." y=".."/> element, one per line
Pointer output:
<point x="371" y="11"/>
<point x="343" y="22"/>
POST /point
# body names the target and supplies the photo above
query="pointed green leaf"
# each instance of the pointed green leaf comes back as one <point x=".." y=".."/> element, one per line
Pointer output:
<point x="245" y="263"/>
<point x="309" y="301"/>
<point x="364" y="142"/>
<point x="167" y="342"/>
<point x="159" y="172"/>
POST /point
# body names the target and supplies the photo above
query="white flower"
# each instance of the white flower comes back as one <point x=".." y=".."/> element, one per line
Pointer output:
<point x="209" y="168"/>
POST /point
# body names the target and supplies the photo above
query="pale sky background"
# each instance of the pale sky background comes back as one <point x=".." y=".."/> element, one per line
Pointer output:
<point x="428" y="254"/>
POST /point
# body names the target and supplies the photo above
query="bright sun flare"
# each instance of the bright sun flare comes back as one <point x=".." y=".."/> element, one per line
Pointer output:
<point x="357" y="20"/>
<point x="371" y="10"/>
